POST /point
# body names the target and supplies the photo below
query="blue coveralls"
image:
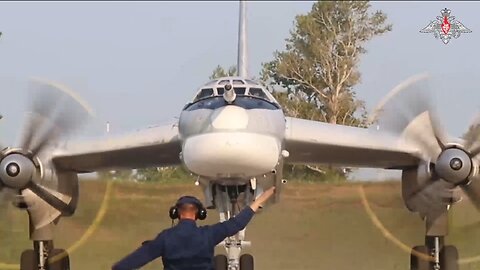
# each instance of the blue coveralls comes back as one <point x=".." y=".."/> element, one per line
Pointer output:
<point x="186" y="246"/>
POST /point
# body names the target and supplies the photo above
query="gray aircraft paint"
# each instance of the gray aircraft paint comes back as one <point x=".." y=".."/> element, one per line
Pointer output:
<point x="262" y="131"/>
<point x="260" y="121"/>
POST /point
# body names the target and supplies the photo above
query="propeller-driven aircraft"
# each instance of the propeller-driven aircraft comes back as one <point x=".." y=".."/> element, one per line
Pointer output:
<point x="235" y="137"/>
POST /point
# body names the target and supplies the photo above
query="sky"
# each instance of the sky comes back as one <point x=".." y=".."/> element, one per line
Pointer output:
<point x="138" y="63"/>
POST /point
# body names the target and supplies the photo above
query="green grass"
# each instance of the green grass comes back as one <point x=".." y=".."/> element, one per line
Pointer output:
<point x="315" y="226"/>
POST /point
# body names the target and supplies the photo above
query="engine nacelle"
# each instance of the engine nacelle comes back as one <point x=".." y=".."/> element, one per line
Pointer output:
<point x="412" y="181"/>
<point x="425" y="193"/>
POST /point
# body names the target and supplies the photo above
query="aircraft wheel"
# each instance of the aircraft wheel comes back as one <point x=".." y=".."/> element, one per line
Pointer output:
<point x="246" y="262"/>
<point x="419" y="263"/>
<point x="28" y="260"/>
<point x="220" y="262"/>
<point x="449" y="258"/>
<point x="62" y="263"/>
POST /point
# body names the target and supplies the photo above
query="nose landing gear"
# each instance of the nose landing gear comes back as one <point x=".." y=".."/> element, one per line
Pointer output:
<point x="227" y="202"/>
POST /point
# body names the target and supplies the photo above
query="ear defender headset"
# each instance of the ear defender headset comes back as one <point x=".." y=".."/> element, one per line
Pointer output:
<point x="201" y="211"/>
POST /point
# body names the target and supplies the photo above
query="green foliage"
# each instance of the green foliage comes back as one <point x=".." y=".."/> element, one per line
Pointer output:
<point x="320" y="63"/>
<point x="115" y="174"/>
<point x="219" y="72"/>
<point x="295" y="106"/>
<point x="163" y="174"/>
<point x="304" y="173"/>
<point x="319" y="68"/>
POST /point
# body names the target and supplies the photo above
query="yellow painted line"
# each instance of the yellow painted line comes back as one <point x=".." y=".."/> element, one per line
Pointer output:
<point x="86" y="235"/>
<point x="92" y="228"/>
<point x="7" y="266"/>
<point x="385" y="232"/>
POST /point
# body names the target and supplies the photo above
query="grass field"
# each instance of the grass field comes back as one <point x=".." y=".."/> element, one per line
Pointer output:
<point x="315" y="226"/>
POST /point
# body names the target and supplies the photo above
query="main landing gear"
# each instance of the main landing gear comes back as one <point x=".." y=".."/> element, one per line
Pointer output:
<point x="435" y="255"/>
<point x="44" y="257"/>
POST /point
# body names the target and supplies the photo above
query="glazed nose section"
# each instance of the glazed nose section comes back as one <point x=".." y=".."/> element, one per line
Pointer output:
<point x="230" y="118"/>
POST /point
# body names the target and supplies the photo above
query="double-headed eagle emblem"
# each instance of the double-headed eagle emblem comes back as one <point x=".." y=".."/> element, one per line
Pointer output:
<point x="445" y="27"/>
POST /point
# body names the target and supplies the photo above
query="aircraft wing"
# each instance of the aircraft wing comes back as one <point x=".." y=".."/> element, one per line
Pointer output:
<point x="312" y="142"/>
<point x="157" y="146"/>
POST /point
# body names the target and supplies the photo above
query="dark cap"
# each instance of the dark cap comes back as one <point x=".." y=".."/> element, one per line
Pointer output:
<point x="188" y="200"/>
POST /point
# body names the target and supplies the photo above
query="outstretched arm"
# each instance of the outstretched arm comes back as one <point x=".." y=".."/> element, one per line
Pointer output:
<point x="235" y="224"/>
<point x="149" y="251"/>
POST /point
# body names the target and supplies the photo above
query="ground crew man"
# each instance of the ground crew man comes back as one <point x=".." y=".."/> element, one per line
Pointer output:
<point x="186" y="246"/>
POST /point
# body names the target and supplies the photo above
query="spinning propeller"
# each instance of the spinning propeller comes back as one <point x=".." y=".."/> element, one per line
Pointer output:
<point x="448" y="162"/>
<point x="55" y="112"/>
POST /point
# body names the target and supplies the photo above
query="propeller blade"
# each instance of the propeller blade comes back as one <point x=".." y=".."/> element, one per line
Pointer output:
<point x="475" y="151"/>
<point x="472" y="190"/>
<point x="44" y="214"/>
<point x="473" y="134"/>
<point x="438" y="131"/>
<point x="407" y="111"/>
<point x="56" y="112"/>
<point x="56" y="199"/>
<point x="42" y="104"/>
<point x="420" y="133"/>
<point x="399" y="107"/>
<point x="472" y="138"/>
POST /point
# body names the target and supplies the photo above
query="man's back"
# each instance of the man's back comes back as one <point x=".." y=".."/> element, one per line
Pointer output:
<point x="187" y="245"/>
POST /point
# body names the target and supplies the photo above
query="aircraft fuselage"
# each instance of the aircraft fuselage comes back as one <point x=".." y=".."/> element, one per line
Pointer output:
<point x="238" y="141"/>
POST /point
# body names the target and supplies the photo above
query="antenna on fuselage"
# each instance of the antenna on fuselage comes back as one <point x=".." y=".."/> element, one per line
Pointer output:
<point x="242" y="61"/>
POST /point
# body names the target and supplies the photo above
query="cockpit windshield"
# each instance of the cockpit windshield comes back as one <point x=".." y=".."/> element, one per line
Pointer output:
<point x="206" y="92"/>
<point x="239" y="90"/>
<point x="257" y="92"/>
<point x="245" y="102"/>
<point x="242" y="87"/>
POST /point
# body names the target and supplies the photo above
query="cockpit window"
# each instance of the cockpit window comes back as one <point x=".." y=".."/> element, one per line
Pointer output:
<point x="238" y="82"/>
<point x="223" y="82"/>
<point x="242" y="87"/>
<point x="239" y="90"/>
<point x="206" y="92"/>
<point x="250" y="81"/>
<point x="258" y="92"/>
<point x="245" y="102"/>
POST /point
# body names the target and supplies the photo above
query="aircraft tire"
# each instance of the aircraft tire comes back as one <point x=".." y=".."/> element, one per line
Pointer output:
<point x="449" y="258"/>
<point x="220" y="262"/>
<point x="28" y="260"/>
<point x="61" y="264"/>
<point x="418" y="263"/>
<point x="246" y="262"/>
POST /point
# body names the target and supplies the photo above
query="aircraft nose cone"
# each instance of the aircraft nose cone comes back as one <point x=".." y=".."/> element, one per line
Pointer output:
<point x="230" y="117"/>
